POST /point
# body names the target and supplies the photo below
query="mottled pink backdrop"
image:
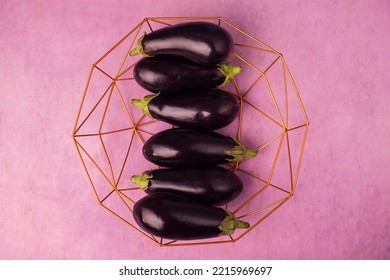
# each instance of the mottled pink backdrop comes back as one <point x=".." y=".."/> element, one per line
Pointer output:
<point x="339" y="56"/>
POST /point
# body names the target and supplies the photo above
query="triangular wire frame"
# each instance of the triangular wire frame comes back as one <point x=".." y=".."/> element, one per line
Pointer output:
<point x="117" y="131"/>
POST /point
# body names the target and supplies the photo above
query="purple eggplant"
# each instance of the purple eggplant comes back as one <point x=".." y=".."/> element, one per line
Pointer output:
<point x="210" y="109"/>
<point x="185" y="147"/>
<point x="212" y="185"/>
<point x="171" y="73"/>
<point x="177" y="218"/>
<point x="202" y="42"/>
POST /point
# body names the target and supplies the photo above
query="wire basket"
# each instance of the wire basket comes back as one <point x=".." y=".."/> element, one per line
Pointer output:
<point x="109" y="132"/>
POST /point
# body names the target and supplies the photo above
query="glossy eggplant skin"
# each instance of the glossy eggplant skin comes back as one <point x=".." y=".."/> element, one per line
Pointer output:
<point x="177" y="218"/>
<point x="212" y="185"/>
<point x="202" y="42"/>
<point x="170" y="73"/>
<point x="209" y="109"/>
<point x="185" y="147"/>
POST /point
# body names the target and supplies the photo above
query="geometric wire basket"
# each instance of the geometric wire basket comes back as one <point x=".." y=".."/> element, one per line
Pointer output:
<point x="109" y="132"/>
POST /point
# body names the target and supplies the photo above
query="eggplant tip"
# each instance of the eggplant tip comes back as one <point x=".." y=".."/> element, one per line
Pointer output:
<point x="139" y="48"/>
<point x="229" y="72"/>
<point x="143" y="104"/>
<point x="230" y="223"/>
<point x="142" y="181"/>
<point x="239" y="152"/>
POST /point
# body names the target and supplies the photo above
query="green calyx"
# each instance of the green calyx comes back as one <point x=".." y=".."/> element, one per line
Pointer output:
<point x="142" y="181"/>
<point x="229" y="72"/>
<point x="143" y="103"/>
<point x="139" y="49"/>
<point x="239" y="152"/>
<point x="230" y="223"/>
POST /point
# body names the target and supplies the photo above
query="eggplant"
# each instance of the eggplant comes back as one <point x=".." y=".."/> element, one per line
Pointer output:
<point x="213" y="185"/>
<point x="185" y="147"/>
<point x="171" y="73"/>
<point x="202" y="42"/>
<point x="209" y="109"/>
<point x="177" y="218"/>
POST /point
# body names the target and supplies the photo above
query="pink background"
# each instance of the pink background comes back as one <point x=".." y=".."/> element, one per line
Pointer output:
<point x="339" y="56"/>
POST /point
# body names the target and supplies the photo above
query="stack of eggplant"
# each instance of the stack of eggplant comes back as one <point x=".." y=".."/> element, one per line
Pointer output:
<point x="184" y="67"/>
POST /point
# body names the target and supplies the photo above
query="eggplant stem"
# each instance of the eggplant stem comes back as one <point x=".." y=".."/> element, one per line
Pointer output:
<point x="229" y="72"/>
<point x="230" y="223"/>
<point x="142" y="181"/>
<point x="143" y="104"/>
<point x="139" y="48"/>
<point x="239" y="152"/>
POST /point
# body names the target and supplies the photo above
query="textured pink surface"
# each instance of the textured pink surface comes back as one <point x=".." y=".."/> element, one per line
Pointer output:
<point x="338" y="54"/>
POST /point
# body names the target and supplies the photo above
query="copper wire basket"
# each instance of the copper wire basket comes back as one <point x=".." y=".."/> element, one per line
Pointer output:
<point x="109" y="132"/>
